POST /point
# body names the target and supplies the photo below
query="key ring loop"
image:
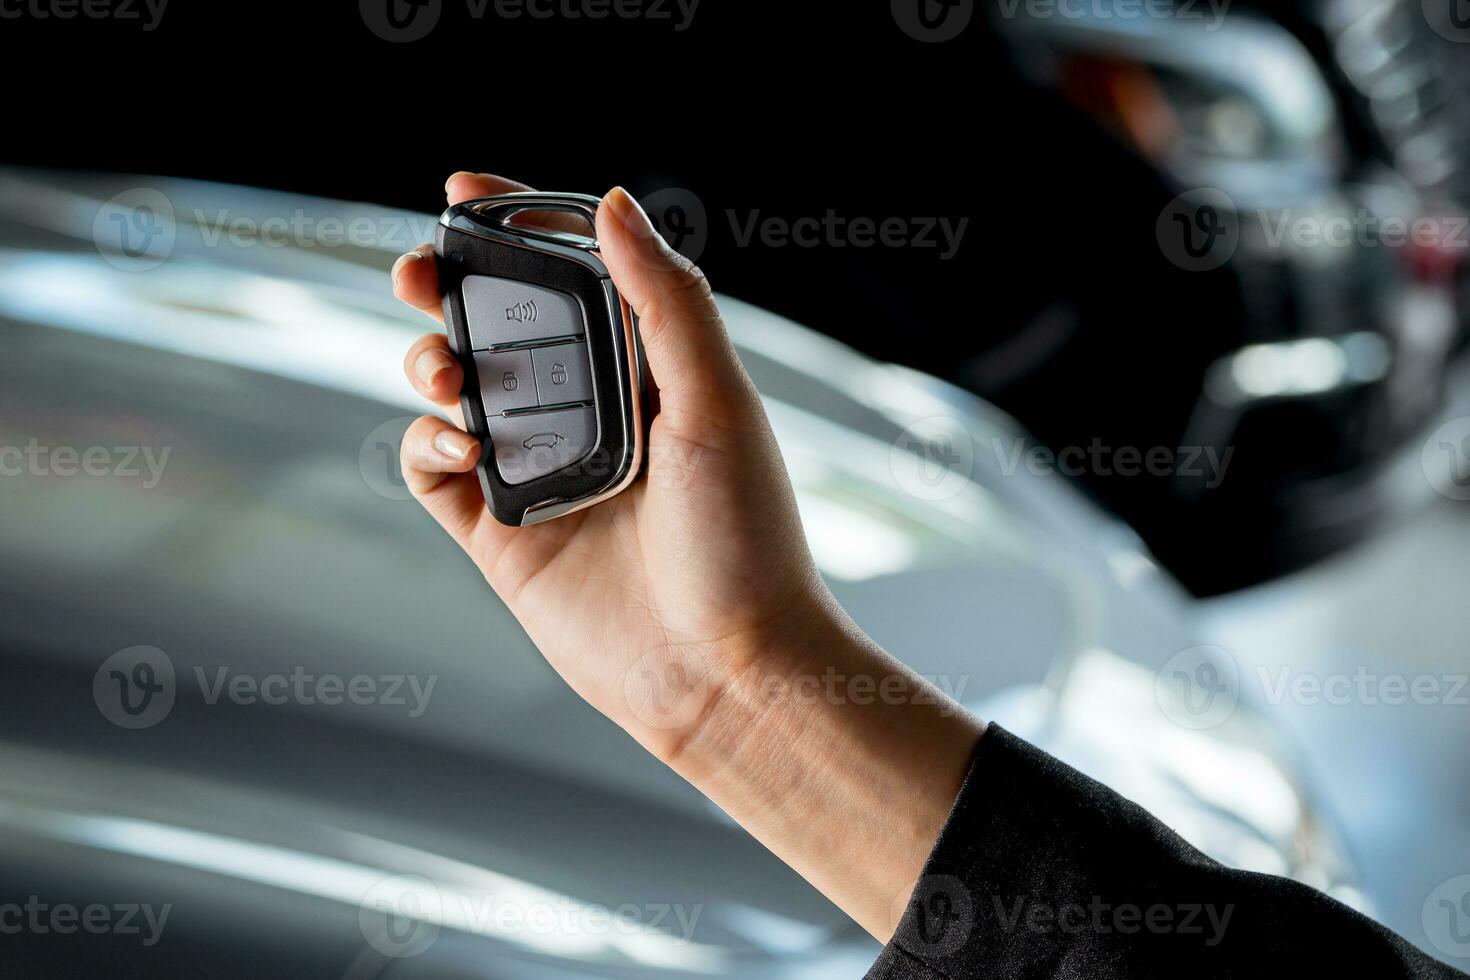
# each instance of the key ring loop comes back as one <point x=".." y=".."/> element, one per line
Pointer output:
<point x="502" y="208"/>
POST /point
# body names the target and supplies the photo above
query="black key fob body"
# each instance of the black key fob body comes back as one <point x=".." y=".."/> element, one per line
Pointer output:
<point x="554" y="374"/>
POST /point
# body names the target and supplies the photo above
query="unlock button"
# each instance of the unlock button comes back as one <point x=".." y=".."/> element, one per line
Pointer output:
<point x="562" y="374"/>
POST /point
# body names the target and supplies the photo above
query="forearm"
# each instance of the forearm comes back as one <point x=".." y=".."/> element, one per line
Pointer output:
<point x="839" y="759"/>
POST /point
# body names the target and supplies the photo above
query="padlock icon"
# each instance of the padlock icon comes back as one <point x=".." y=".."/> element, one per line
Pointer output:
<point x="509" y="381"/>
<point x="558" y="374"/>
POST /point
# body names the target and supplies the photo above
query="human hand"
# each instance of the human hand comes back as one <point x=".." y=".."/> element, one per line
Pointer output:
<point x="647" y="603"/>
<point x="688" y="609"/>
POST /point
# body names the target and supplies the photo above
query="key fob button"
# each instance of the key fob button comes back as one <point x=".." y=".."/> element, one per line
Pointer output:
<point x="563" y="374"/>
<point x="503" y="311"/>
<point x="506" y="381"/>
<point x="531" y="446"/>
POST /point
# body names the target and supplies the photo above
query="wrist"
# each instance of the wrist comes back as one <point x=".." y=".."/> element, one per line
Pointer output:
<point x="814" y="727"/>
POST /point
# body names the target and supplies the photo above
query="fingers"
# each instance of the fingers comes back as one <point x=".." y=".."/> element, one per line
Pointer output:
<point x="416" y="273"/>
<point x="416" y="281"/>
<point x="433" y="448"/>
<point x="433" y="370"/>
<point x="438" y="461"/>
<point x="465" y="186"/>
<point x="688" y="350"/>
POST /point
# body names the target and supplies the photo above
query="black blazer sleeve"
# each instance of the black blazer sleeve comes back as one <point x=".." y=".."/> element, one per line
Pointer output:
<point x="1043" y="872"/>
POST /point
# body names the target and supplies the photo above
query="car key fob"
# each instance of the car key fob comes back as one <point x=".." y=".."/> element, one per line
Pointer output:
<point x="554" y="376"/>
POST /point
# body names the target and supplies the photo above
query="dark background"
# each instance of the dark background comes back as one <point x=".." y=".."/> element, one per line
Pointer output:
<point x="781" y="110"/>
<point x="790" y="110"/>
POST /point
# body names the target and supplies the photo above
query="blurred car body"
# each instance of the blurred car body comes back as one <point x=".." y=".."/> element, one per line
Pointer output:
<point x="506" y="828"/>
<point x="1333" y="336"/>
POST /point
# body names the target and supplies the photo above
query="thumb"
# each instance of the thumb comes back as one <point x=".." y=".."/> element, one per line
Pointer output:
<point x="684" y="339"/>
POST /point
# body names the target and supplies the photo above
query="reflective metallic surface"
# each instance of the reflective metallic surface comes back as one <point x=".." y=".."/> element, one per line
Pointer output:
<point x="468" y="816"/>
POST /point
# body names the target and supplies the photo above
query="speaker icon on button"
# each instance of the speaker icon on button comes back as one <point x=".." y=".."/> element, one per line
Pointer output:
<point x="522" y="312"/>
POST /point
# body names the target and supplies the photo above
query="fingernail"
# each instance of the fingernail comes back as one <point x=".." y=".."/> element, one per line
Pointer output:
<point x="453" y="443"/>
<point x="404" y="260"/>
<point x="455" y="176"/>
<point x="430" y="363"/>
<point x="630" y="213"/>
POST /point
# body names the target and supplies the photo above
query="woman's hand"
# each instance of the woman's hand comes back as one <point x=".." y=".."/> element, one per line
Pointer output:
<point x="646" y="603"/>
<point x="688" y="610"/>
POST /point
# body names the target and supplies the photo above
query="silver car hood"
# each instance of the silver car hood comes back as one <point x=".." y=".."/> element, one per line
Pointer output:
<point x="277" y="540"/>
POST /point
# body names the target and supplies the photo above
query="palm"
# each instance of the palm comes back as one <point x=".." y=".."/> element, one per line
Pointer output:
<point x="650" y="581"/>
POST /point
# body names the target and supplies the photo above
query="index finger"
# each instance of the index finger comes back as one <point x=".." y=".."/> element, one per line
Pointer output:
<point x="465" y="186"/>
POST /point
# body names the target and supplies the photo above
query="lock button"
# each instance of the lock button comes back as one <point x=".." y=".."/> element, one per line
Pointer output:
<point x="506" y="381"/>
<point x="563" y="374"/>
